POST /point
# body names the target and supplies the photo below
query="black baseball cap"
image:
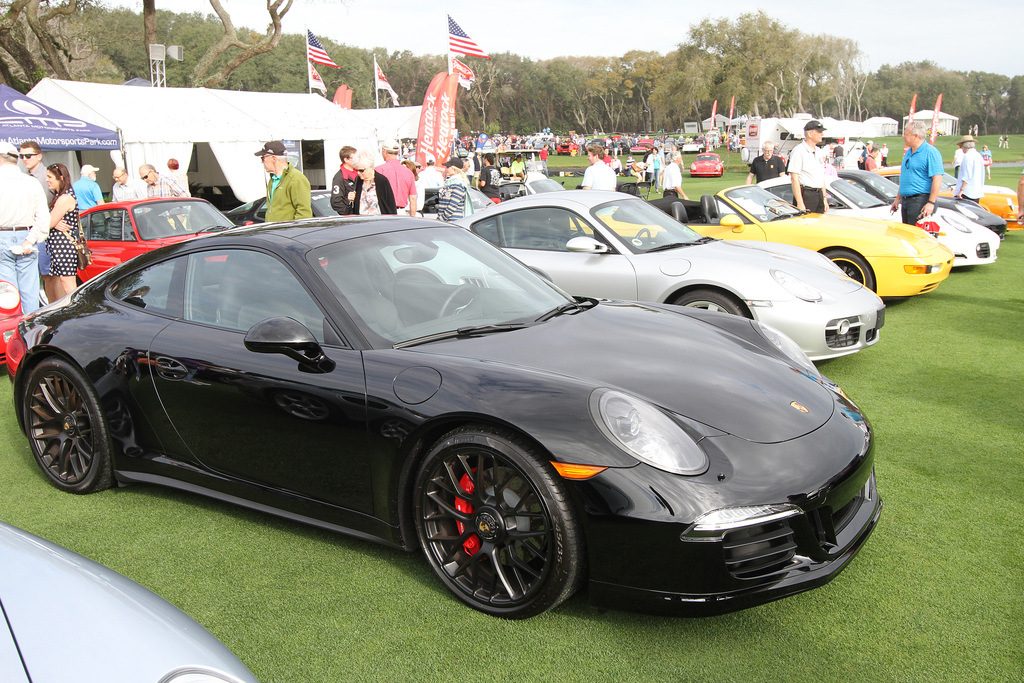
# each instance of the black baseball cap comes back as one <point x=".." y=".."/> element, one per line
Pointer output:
<point x="273" y="148"/>
<point x="814" y="124"/>
<point x="455" y="162"/>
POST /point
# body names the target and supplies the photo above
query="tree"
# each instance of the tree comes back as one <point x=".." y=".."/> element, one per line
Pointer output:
<point x="31" y="44"/>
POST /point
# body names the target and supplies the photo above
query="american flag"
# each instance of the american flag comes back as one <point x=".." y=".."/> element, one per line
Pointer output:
<point x="462" y="44"/>
<point x="316" y="53"/>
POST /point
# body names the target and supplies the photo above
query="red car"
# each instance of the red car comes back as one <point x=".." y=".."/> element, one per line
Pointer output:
<point x="565" y="148"/>
<point x="117" y="231"/>
<point x="642" y="146"/>
<point x="708" y="165"/>
<point x="10" y="314"/>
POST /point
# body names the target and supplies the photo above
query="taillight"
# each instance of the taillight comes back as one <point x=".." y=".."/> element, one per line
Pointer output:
<point x="15" y="352"/>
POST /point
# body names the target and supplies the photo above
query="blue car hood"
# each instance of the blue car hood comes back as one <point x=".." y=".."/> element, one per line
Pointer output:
<point x="685" y="363"/>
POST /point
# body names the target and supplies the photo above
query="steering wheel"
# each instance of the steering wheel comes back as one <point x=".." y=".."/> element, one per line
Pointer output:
<point x="466" y="291"/>
<point x="640" y="234"/>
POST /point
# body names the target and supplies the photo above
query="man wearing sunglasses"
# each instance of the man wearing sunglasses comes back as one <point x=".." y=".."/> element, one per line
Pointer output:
<point x="32" y="158"/>
<point x="160" y="185"/>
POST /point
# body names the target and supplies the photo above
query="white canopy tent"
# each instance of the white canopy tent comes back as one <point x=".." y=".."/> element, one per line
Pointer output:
<point x="948" y="124"/>
<point x="883" y="126"/>
<point x="222" y="127"/>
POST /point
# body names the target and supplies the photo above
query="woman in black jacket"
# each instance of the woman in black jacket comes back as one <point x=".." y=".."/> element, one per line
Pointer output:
<point x="373" y="194"/>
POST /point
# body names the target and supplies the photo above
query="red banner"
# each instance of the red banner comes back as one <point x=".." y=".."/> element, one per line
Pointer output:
<point x="935" y="120"/>
<point x="427" y="135"/>
<point x="732" y="108"/>
<point x="714" y="110"/>
<point x="437" y="120"/>
<point x="343" y="97"/>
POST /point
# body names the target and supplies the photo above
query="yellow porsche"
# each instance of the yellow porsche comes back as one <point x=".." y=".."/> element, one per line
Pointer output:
<point x="893" y="259"/>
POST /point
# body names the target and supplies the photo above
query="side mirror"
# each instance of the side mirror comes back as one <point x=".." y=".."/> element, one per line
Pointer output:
<point x="293" y="339"/>
<point x="732" y="221"/>
<point x="586" y="245"/>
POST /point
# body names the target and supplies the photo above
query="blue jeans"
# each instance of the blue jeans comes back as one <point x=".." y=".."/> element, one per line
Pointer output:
<point x="22" y="271"/>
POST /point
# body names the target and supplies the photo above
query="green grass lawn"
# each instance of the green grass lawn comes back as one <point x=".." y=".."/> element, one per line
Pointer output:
<point x="937" y="593"/>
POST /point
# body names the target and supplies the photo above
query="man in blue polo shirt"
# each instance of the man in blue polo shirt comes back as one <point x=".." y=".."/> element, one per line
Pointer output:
<point x="920" y="177"/>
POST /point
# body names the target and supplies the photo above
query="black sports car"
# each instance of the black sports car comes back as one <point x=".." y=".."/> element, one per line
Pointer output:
<point x="406" y="382"/>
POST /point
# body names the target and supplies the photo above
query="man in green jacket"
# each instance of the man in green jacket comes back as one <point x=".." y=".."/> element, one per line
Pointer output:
<point x="288" y="196"/>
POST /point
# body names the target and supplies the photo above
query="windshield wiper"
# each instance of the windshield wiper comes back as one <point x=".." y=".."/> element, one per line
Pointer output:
<point x="569" y="307"/>
<point x="216" y="228"/>
<point x="471" y="331"/>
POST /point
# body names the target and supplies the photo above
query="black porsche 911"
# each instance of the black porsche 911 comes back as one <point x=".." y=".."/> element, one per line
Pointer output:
<point x="406" y="382"/>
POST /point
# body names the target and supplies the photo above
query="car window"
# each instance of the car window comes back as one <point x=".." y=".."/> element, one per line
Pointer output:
<point x="237" y="288"/>
<point x="151" y="288"/>
<point x="543" y="228"/>
<point x="321" y="206"/>
<point x="159" y="220"/>
<point x="488" y="229"/>
<point x="761" y="204"/>
<point x="108" y="225"/>
<point x="859" y="197"/>
<point x="641" y="227"/>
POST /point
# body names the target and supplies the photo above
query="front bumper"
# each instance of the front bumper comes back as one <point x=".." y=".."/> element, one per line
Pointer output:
<point x="827" y="330"/>
<point x="893" y="280"/>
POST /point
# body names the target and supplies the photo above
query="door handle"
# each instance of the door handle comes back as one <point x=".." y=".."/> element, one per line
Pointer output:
<point x="168" y="368"/>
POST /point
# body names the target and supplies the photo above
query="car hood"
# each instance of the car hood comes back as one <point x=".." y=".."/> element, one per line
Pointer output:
<point x="807" y="265"/>
<point x="686" y="362"/>
<point x="869" y="228"/>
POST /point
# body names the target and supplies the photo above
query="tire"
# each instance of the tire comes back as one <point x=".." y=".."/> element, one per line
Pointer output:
<point x="513" y="556"/>
<point x="66" y="429"/>
<point x="710" y="300"/>
<point x="854" y="265"/>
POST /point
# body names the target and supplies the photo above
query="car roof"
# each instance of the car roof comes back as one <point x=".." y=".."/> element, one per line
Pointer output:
<point x="580" y="200"/>
<point x="130" y="203"/>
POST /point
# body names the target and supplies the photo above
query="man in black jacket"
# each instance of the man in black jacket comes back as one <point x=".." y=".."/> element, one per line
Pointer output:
<point x="343" y="187"/>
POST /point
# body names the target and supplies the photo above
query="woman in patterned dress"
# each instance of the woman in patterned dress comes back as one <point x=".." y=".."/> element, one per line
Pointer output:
<point x="64" y="231"/>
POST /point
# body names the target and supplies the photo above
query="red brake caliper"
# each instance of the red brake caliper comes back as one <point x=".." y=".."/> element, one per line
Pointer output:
<point x="472" y="544"/>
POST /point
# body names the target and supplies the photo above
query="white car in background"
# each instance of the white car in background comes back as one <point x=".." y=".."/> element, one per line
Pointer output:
<point x="972" y="244"/>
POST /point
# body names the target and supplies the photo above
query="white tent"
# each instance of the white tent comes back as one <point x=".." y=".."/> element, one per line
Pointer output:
<point x="223" y="128"/>
<point x="948" y="124"/>
<point x="883" y="126"/>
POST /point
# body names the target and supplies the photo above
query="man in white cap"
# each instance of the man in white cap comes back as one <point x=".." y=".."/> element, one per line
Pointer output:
<point x="87" y="190"/>
<point x="970" y="183"/>
<point x="430" y="175"/>
<point x="403" y="182"/>
<point x="807" y="170"/>
<point x="24" y="223"/>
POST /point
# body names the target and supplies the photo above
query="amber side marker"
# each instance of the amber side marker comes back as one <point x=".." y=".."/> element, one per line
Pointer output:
<point x="570" y="471"/>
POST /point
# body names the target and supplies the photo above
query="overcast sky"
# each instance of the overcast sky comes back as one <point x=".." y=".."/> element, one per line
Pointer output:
<point x="980" y="35"/>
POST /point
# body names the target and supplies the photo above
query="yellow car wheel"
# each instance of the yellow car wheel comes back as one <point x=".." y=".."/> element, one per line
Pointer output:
<point x="854" y="265"/>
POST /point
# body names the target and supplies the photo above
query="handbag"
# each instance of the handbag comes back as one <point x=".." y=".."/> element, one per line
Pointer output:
<point x="83" y="252"/>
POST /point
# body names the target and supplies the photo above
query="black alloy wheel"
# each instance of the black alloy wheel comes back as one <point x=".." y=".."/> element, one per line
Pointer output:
<point x="495" y="523"/>
<point x="66" y="429"/>
<point x="854" y="265"/>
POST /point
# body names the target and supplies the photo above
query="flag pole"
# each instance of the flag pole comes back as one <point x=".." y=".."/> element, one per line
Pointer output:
<point x="448" y="49"/>
<point x="376" y="92"/>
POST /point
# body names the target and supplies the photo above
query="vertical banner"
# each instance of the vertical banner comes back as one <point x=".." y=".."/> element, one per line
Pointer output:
<point x="910" y="119"/>
<point x="714" y="110"/>
<point x="426" y="136"/>
<point x="935" y="120"/>
<point x="732" y="109"/>
<point x="446" y="118"/>
<point x="343" y="97"/>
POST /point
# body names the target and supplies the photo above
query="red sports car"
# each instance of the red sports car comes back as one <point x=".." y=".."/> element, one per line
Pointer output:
<point x="10" y="314"/>
<point x="708" y="165"/>
<point x="117" y="231"/>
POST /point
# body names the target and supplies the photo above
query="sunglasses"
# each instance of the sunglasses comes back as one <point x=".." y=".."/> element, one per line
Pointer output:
<point x="145" y="176"/>
<point x="29" y="156"/>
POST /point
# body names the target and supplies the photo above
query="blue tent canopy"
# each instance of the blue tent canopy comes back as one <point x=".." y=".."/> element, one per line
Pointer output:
<point x="22" y="118"/>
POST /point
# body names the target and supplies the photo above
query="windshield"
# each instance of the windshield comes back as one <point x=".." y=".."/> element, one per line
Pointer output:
<point x="707" y="157"/>
<point x="174" y="218"/>
<point x="545" y="185"/>
<point x="761" y="204"/>
<point x="322" y="205"/>
<point x="948" y="182"/>
<point x="879" y="184"/>
<point x="405" y="285"/>
<point x="856" y="195"/>
<point x="642" y="227"/>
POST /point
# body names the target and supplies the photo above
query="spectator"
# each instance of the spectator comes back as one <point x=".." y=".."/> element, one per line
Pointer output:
<point x="986" y="155"/>
<point x="161" y="185"/>
<point x="970" y="182"/>
<point x="32" y="157"/>
<point x="87" y="190"/>
<point x="400" y="179"/>
<point x="885" y="154"/>
<point x="920" y="175"/>
<point x="598" y="175"/>
<point x="452" y="198"/>
<point x="125" y="187"/>
<point x="374" y="195"/>
<point x="673" y="178"/>
<point x="24" y="223"/>
<point x="490" y="177"/>
<point x="518" y="169"/>
<point x="64" y="233"/>
<point x="807" y="170"/>
<point x="766" y="166"/>
<point x="179" y="175"/>
<point x="288" y="193"/>
<point x="343" y="187"/>
<point x="958" y="159"/>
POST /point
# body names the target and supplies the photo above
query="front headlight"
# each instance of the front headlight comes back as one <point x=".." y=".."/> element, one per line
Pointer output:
<point x="958" y="222"/>
<point x="796" y="286"/>
<point x="789" y="348"/>
<point x="967" y="211"/>
<point x="646" y="433"/>
<point x="10" y="299"/>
